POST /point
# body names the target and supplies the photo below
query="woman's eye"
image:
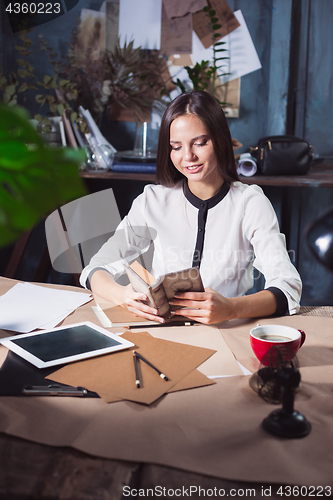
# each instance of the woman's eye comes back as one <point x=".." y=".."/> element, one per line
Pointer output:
<point x="175" y="148"/>
<point x="201" y="143"/>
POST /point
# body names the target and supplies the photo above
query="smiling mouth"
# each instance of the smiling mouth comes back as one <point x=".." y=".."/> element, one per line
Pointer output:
<point x="193" y="168"/>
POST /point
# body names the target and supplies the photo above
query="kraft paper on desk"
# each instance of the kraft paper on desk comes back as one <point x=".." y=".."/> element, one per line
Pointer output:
<point x="221" y="364"/>
<point x="113" y="376"/>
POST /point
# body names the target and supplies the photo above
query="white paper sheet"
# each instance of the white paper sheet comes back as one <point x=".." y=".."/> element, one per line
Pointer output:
<point x="140" y="21"/>
<point x="241" y="51"/>
<point x="26" y="307"/>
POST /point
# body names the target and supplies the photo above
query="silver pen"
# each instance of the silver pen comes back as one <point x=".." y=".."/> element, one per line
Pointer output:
<point x="53" y="390"/>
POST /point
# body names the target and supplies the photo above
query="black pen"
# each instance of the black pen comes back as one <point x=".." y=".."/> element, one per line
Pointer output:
<point x="135" y="360"/>
<point x="171" y="323"/>
<point x="53" y="390"/>
<point x="151" y="365"/>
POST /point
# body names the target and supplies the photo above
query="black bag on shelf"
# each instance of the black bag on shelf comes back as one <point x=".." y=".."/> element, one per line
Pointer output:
<point x="283" y="155"/>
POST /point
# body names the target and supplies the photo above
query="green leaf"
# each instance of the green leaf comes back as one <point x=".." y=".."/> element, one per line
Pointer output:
<point x="22" y="88"/>
<point x="50" y="99"/>
<point x="212" y="13"/>
<point x="22" y="73"/>
<point x="46" y="79"/>
<point x="45" y="121"/>
<point x="217" y="26"/>
<point x="34" y="178"/>
<point x="60" y="109"/>
<point x="63" y="82"/>
<point x="10" y="90"/>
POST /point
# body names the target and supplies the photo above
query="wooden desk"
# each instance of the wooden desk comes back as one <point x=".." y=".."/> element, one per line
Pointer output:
<point x="31" y="471"/>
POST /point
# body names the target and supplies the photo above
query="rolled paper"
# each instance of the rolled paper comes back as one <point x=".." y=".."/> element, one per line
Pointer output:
<point x="247" y="165"/>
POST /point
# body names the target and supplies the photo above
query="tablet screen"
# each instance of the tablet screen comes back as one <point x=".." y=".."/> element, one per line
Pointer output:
<point x="65" y="344"/>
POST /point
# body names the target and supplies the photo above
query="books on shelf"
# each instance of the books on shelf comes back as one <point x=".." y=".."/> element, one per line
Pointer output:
<point x="71" y="141"/>
<point x="134" y="167"/>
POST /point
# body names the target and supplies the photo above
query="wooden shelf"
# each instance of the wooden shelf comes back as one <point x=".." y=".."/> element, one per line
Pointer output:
<point x="320" y="175"/>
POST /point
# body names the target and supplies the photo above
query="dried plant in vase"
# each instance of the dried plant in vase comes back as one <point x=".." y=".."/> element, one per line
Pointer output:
<point x="127" y="77"/>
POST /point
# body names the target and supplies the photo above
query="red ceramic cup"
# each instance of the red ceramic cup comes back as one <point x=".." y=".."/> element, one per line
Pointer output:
<point x="264" y="338"/>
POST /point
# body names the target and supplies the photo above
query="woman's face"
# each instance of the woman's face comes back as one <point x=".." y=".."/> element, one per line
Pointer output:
<point x="192" y="153"/>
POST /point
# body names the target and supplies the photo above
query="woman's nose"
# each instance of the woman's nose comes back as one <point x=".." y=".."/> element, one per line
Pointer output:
<point x="189" y="154"/>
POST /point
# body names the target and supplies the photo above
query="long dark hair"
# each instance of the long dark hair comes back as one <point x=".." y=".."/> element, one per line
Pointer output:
<point x="205" y="107"/>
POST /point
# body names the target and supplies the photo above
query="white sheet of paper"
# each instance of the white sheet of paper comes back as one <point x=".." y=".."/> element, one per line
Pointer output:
<point x="140" y="21"/>
<point x="241" y="50"/>
<point x="26" y="307"/>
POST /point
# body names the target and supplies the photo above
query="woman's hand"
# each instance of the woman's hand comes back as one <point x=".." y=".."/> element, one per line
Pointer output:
<point x="103" y="284"/>
<point x="130" y="299"/>
<point x="207" y="307"/>
<point x="210" y="307"/>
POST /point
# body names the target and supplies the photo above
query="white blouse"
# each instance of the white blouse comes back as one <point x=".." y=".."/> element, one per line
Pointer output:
<point x="227" y="235"/>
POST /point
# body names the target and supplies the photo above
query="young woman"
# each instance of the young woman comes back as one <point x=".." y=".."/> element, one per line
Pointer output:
<point x="199" y="214"/>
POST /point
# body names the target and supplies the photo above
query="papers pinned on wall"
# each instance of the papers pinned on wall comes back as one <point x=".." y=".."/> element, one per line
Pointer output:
<point x="141" y="22"/>
<point x="181" y="31"/>
<point x="243" y="57"/>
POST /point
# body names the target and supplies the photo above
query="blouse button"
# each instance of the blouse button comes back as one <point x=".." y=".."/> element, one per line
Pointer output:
<point x="202" y="204"/>
<point x="200" y="229"/>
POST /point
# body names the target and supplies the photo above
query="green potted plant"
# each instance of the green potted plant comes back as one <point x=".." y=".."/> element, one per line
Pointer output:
<point x="34" y="177"/>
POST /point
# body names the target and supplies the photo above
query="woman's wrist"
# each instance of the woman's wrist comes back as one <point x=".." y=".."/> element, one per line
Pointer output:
<point x="104" y="285"/>
<point x="259" y="304"/>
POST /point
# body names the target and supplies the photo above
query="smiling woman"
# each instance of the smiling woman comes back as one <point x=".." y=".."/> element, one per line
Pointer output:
<point x="203" y="216"/>
<point x="193" y="155"/>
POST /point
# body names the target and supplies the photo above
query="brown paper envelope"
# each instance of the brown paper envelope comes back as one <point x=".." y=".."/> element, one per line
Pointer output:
<point x="222" y="363"/>
<point x="175" y="8"/>
<point x="202" y="25"/>
<point x="112" y="376"/>
<point x="176" y="34"/>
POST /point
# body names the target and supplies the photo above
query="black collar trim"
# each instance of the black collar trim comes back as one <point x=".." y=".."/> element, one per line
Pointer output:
<point x="211" y="202"/>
